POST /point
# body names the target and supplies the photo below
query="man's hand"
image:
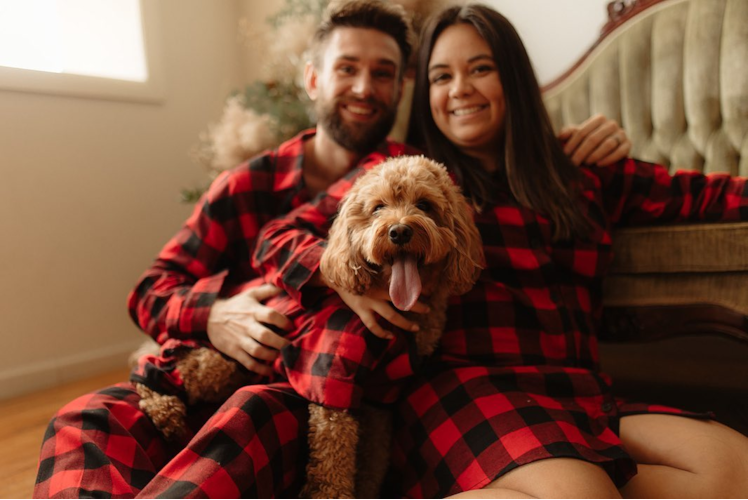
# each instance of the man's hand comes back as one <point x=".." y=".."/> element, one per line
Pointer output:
<point x="235" y="328"/>
<point x="596" y="141"/>
<point x="377" y="302"/>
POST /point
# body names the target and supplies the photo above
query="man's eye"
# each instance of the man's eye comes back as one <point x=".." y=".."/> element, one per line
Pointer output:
<point x="384" y="74"/>
<point x="348" y="70"/>
<point x="423" y="205"/>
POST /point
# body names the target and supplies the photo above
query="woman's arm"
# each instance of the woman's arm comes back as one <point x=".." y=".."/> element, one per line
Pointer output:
<point x="640" y="193"/>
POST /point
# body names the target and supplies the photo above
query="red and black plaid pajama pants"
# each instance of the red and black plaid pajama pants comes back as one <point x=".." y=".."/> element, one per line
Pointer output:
<point x="102" y="445"/>
<point x="254" y="445"/>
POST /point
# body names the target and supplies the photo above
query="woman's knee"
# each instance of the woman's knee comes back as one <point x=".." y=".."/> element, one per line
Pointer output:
<point x="722" y="464"/>
<point x="714" y="456"/>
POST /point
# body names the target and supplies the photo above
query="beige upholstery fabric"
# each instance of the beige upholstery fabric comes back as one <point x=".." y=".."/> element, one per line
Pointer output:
<point x="725" y="245"/>
<point x="676" y="78"/>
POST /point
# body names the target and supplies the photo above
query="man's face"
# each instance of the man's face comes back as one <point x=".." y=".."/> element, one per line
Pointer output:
<point x="357" y="88"/>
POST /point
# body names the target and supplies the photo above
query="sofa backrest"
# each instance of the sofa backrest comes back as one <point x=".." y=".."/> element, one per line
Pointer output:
<point x="675" y="76"/>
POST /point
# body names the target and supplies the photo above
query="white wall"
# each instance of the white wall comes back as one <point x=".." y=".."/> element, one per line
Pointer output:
<point x="555" y="32"/>
<point x="89" y="193"/>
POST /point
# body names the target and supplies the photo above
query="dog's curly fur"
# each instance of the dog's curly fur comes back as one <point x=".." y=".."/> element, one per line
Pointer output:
<point x="418" y="193"/>
<point x="349" y="455"/>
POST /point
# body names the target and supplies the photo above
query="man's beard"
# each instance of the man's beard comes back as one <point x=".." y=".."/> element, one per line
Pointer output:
<point x="360" y="138"/>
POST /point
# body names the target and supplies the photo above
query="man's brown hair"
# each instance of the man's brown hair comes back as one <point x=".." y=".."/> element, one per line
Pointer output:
<point x="389" y="19"/>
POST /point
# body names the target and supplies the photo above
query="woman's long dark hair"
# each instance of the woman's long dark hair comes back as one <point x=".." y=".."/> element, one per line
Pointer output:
<point x="538" y="172"/>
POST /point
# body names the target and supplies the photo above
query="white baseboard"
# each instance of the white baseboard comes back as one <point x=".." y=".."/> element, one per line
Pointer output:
<point x="51" y="373"/>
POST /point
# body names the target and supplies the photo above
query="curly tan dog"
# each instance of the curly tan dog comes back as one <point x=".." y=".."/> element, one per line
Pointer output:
<point x="403" y="227"/>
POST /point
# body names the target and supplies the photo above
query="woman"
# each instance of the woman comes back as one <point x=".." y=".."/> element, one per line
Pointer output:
<point x="513" y="403"/>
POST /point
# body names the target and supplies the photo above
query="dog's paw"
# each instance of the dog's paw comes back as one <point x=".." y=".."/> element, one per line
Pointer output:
<point x="167" y="413"/>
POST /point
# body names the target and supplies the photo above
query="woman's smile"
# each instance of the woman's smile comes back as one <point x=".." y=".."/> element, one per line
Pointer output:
<point x="468" y="111"/>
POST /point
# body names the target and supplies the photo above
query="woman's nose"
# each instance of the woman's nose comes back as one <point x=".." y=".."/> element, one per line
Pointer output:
<point x="460" y="87"/>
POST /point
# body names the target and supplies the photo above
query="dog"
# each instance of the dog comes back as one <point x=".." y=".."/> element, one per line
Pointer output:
<point x="404" y="227"/>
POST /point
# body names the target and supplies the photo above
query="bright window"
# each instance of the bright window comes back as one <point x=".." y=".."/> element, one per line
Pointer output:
<point x="98" y="48"/>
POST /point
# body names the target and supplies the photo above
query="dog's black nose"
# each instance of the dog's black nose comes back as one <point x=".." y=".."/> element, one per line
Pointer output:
<point x="400" y="234"/>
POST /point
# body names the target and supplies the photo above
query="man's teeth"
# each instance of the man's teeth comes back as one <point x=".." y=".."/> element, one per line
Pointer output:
<point x="466" y="111"/>
<point x="360" y="111"/>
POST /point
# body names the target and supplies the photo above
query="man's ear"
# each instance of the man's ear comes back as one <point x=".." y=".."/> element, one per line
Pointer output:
<point x="310" y="80"/>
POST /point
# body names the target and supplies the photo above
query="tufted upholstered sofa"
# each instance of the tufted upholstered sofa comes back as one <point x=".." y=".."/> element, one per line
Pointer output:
<point x="674" y="74"/>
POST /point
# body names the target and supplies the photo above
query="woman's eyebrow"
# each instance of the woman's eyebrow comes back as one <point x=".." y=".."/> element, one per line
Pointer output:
<point x="471" y="60"/>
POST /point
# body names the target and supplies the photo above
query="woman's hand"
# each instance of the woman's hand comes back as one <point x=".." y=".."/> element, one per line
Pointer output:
<point x="597" y="140"/>
<point x="235" y="328"/>
<point x="377" y="302"/>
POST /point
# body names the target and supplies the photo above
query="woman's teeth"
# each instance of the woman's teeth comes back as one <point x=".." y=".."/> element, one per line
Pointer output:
<point x="466" y="111"/>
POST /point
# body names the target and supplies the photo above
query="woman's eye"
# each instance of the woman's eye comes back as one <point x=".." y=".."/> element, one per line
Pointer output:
<point x="483" y="69"/>
<point x="423" y="206"/>
<point x="440" y="78"/>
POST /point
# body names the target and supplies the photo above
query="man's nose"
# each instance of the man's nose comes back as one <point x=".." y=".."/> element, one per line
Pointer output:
<point x="362" y="86"/>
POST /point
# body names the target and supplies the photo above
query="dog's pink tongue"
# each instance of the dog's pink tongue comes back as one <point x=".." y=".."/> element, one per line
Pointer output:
<point x="405" y="283"/>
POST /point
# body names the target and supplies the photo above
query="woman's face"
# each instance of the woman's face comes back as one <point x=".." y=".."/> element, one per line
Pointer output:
<point x="465" y="92"/>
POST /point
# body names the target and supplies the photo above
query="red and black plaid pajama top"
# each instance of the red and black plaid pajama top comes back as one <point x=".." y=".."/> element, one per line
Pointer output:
<point x="255" y="444"/>
<point x="516" y="378"/>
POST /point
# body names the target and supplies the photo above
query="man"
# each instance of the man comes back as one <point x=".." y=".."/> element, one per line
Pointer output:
<point x="201" y="290"/>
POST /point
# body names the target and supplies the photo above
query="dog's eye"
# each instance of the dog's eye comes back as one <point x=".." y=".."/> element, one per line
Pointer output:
<point x="423" y="205"/>
<point x="377" y="208"/>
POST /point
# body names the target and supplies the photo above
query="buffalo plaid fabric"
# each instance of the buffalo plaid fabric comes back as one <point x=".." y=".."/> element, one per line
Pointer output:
<point x="210" y="258"/>
<point x="516" y="378"/>
<point x="103" y="445"/>
<point x="209" y="254"/>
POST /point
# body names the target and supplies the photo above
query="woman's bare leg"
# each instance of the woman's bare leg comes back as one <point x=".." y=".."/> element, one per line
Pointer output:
<point x="550" y="478"/>
<point x="684" y="458"/>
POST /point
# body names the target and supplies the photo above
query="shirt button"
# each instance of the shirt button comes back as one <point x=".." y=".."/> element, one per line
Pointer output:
<point x="607" y="406"/>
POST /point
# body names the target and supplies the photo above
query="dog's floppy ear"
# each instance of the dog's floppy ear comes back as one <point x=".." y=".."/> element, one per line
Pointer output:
<point x="466" y="260"/>
<point x="342" y="263"/>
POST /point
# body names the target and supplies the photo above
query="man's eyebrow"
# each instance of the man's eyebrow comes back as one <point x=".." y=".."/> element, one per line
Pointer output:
<point x="384" y="61"/>
<point x="471" y="60"/>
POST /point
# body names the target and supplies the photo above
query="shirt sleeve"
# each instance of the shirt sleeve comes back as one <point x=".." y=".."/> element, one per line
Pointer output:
<point x="173" y="298"/>
<point x="640" y="193"/>
<point x="291" y="247"/>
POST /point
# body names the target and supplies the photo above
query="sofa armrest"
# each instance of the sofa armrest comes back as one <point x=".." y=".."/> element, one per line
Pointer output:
<point x="669" y="281"/>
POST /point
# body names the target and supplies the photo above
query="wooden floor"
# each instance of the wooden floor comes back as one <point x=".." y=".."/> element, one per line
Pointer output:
<point x="23" y="421"/>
